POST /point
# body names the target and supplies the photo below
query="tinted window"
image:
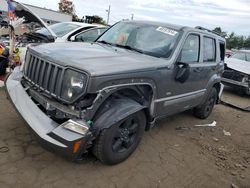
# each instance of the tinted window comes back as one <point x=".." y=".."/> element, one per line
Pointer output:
<point x="241" y="56"/>
<point x="190" y="50"/>
<point x="209" y="53"/>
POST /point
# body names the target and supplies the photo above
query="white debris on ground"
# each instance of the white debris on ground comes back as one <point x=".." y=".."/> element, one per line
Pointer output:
<point x="207" y="125"/>
<point x="1" y="83"/>
<point x="226" y="133"/>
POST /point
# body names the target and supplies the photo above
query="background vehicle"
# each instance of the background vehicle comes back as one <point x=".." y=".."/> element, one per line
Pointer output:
<point x="237" y="71"/>
<point x="102" y="96"/>
<point x="65" y="30"/>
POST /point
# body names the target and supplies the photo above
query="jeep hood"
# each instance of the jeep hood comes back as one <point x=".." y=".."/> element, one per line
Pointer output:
<point x="238" y="65"/>
<point x="97" y="59"/>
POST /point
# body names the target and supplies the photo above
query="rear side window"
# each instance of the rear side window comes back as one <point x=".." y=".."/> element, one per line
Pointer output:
<point x="209" y="50"/>
<point x="191" y="49"/>
<point x="248" y="56"/>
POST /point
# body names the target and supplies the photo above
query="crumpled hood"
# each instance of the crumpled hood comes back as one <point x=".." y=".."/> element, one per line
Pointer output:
<point x="238" y="65"/>
<point x="97" y="59"/>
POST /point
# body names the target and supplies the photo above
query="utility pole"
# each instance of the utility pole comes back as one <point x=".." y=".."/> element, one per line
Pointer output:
<point x="108" y="14"/>
<point x="132" y="16"/>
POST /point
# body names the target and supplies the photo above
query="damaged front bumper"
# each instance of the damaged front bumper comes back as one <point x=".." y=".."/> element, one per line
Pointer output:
<point x="234" y="83"/>
<point x="60" y="139"/>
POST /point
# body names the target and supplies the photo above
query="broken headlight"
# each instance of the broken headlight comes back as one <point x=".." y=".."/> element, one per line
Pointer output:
<point x="245" y="79"/>
<point x="74" y="84"/>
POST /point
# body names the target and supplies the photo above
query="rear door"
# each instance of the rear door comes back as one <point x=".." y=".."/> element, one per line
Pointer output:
<point x="210" y="57"/>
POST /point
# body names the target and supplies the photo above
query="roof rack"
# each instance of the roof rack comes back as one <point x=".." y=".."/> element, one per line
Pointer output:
<point x="208" y="30"/>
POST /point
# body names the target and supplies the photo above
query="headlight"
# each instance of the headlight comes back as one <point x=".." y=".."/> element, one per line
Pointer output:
<point x="245" y="79"/>
<point x="74" y="84"/>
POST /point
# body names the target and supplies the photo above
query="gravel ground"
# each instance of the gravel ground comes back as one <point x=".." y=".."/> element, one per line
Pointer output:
<point x="193" y="157"/>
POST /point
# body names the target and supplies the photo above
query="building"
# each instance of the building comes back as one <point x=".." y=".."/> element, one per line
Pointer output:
<point x="47" y="15"/>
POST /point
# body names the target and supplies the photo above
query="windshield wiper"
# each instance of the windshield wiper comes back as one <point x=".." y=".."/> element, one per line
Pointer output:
<point x="129" y="48"/>
<point x="105" y="42"/>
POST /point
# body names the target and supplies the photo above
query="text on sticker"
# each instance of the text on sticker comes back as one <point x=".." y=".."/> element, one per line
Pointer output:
<point x="167" y="31"/>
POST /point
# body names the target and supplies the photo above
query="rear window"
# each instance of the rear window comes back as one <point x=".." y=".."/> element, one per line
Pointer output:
<point x="209" y="50"/>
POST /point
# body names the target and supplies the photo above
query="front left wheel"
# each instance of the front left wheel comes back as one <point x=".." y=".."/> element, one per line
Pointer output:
<point x="117" y="143"/>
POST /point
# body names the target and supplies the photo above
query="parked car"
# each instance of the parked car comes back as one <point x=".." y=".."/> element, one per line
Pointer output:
<point x="237" y="71"/>
<point x="101" y="97"/>
<point x="66" y="31"/>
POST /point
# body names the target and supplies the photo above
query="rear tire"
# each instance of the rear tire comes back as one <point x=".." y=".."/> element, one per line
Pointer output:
<point x="117" y="143"/>
<point x="206" y="108"/>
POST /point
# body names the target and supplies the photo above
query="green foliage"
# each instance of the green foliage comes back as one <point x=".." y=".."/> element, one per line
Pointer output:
<point x="234" y="41"/>
<point x="98" y="19"/>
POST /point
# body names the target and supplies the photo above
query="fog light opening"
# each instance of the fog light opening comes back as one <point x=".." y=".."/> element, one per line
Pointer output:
<point x="77" y="127"/>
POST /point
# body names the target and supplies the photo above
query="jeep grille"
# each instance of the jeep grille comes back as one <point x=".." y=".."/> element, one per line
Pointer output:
<point x="43" y="74"/>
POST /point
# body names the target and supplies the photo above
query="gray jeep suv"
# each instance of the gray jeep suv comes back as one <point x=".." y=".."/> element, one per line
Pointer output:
<point x="102" y="96"/>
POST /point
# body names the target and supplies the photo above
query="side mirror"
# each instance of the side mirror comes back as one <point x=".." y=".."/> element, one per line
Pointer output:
<point x="183" y="72"/>
<point x="72" y="38"/>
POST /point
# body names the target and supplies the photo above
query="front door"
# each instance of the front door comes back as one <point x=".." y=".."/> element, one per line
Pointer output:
<point x="183" y="96"/>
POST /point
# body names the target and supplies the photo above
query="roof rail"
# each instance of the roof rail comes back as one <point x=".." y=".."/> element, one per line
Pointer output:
<point x="208" y="30"/>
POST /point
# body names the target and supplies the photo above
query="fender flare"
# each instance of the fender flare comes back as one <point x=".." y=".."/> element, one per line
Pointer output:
<point x="120" y="109"/>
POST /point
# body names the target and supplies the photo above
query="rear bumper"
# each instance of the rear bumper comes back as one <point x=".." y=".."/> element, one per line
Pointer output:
<point x="51" y="135"/>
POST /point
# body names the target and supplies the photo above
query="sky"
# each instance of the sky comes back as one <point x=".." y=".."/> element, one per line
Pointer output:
<point x="231" y="15"/>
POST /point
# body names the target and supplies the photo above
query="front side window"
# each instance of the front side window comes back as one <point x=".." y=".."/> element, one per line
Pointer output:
<point x="191" y="49"/>
<point x="90" y="36"/>
<point x="240" y="56"/>
<point x="154" y="40"/>
<point x="87" y="36"/>
<point x="209" y="50"/>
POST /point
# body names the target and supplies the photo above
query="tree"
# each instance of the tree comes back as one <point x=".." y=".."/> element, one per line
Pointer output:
<point x="94" y="19"/>
<point x="67" y="6"/>
<point x="220" y="32"/>
<point x="98" y="19"/>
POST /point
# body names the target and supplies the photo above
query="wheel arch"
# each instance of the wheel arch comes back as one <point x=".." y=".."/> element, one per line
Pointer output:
<point x="140" y="96"/>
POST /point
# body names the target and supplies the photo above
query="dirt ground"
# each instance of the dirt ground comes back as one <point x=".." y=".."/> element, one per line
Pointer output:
<point x="191" y="157"/>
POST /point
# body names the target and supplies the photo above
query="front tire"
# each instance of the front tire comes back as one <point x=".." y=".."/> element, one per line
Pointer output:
<point x="118" y="142"/>
<point x="206" y="108"/>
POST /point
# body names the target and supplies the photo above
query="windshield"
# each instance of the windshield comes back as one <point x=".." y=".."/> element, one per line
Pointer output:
<point x="154" y="40"/>
<point x="242" y="56"/>
<point x="60" y="29"/>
